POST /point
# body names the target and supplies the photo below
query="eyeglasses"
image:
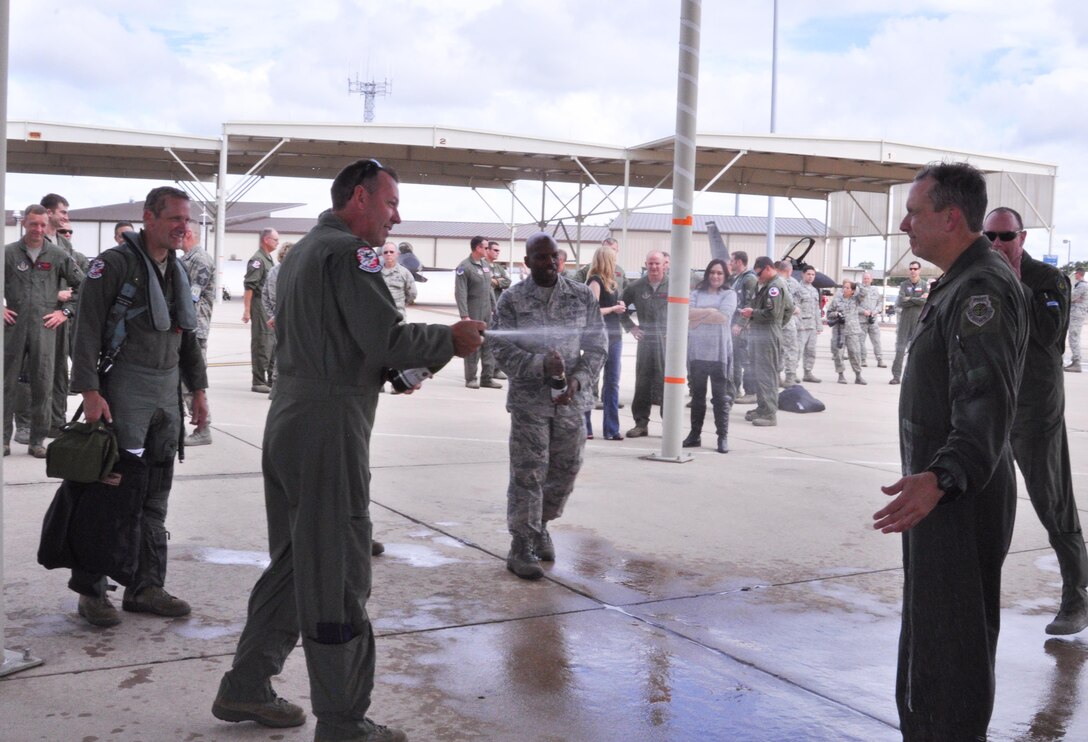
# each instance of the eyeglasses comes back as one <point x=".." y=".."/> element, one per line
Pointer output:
<point x="65" y="232"/>
<point x="1003" y="236"/>
<point x="915" y="268"/>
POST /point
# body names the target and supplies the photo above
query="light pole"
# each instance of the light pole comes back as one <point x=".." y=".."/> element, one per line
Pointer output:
<point x="1069" y="262"/>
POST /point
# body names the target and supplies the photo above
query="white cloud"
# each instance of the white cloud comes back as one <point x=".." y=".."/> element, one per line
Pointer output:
<point x="966" y="74"/>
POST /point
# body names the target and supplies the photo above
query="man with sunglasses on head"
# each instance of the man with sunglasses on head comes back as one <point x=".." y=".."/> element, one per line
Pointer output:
<point x="1039" y="440"/>
<point x="912" y="297"/>
<point x="338" y="332"/>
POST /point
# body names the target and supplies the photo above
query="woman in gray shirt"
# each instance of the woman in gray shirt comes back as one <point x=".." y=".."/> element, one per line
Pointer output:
<point x="710" y="353"/>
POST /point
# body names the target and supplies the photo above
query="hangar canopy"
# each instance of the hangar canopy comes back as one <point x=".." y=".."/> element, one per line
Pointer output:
<point x="862" y="181"/>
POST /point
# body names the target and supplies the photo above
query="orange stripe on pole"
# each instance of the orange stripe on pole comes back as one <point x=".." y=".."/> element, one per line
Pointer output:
<point x="675" y="380"/>
<point x="679" y="300"/>
<point x="685" y="222"/>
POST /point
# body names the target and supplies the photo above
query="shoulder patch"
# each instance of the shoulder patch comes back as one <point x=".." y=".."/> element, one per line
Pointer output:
<point x="368" y="260"/>
<point x="773" y="291"/>
<point x="96" y="268"/>
<point x="255" y="264"/>
<point x="460" y="270"/>
<point x="980" y="310"/>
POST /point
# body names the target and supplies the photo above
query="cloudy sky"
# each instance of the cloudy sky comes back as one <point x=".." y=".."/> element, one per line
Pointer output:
<point x="976" y="75"/>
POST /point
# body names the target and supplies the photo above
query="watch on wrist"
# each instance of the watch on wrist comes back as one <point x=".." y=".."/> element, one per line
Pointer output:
<point x="947" y="483"/>
<point x="66" y="312"/>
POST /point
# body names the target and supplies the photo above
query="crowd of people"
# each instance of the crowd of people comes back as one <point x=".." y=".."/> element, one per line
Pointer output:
<point x="969" y="407"/>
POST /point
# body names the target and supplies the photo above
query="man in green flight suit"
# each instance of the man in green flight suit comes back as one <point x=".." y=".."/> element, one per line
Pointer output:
<point x="261" y="338"/>
<point x="337" y="330"/>
<point x="475" y="299"/>
<point x="765" y="314"/>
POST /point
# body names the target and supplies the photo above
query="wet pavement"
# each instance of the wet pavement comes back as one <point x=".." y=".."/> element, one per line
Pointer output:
<point x="737" y="597"/>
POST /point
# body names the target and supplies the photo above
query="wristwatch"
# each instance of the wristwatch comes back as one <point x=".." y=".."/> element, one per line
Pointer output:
<point x="66" y="312"/>
<point x="947" y="483"/>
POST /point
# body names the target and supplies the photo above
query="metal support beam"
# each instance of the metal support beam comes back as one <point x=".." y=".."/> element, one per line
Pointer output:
<point x="676" y="333"/>
<point x="13" y="661"/>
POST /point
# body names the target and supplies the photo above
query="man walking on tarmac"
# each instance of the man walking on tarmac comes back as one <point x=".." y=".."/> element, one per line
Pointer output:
<point x="337" y="333"/>
<point x="1039" y="440"/>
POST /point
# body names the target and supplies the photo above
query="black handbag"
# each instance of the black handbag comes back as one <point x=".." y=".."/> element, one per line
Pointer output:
<point x="95" y="526"/>
<point x="83" y="453"/>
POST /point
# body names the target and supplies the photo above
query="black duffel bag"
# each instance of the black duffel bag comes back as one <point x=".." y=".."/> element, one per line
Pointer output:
<point x="84" y="452"/>
<point x="95" y="526"/>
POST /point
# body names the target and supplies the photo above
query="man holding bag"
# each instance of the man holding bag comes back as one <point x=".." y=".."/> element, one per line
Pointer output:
<point x="137" y="389"/>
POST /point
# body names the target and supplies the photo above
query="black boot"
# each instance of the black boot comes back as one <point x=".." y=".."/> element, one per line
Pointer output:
<point x="522" y="561"/>
<point x="721" y="424"/>
<point x="694" y="440"/>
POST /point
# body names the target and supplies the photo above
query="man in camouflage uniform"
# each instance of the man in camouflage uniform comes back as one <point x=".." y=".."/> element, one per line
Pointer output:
<point x="870" y="310"/>
<point x="262" y="337"/>
<point x="398" y="279"/>
<point x="649" y="296"/>
<point x="1040" y="443"/>
<point x="37" y="275"/>
<point x="791" y="331"/>
<point x="909" y="303"/>
<point x="1078" y="310"/>
<point x="745" y="284"/>
<point x="476" y="300"/>
<point x="552" y="369"/>
<point x="846" y="332"/>
<point x="765" y="320"/>
<point x="808" y="301"/>
<point x="200" y="268"/>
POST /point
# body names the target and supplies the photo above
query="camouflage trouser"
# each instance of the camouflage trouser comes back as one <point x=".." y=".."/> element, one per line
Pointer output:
<point x="545" y="456"/>
<point x="843" y="343"/>
<point x="806" y="339"/>
<point x="1075" y="323"/>
<point x="872" y="331"/>
<point x="790" y="347"/>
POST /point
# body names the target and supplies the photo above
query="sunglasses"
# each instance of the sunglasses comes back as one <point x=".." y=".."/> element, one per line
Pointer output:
<point x="1003" y="236"/>
<point x="65" y="232"/>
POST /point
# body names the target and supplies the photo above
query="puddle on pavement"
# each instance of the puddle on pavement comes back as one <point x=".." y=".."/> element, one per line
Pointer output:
<point x="417" y="555"/>
<point x="212" y="555"/>
<point x="600" y="675"/>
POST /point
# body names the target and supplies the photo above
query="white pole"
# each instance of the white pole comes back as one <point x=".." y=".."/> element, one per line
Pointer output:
<point x="13" y="661"/>
<point x="683" y="190"/>
<point x="774" y="109"/>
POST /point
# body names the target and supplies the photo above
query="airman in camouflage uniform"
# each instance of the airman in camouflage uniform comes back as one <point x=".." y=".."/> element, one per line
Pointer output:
<point x="870" y="309"/>
<point x="1078" y="310"/>
<point x="846" y="333"/>
<point x="476" y="300"/>
<point x="552" y="369"/>
<point x="766" y="316"/>
<point x="200" y="268"/>
<point x="791" y="331"/>
<point x="808" y="301"/>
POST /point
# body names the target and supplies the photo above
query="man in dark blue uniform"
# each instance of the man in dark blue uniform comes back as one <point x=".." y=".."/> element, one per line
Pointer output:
<point x="956" y="500"/>
<point x="1039" y="440"/>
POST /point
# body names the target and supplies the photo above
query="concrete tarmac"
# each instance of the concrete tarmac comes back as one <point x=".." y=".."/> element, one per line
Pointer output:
<point x="737" y="597"/>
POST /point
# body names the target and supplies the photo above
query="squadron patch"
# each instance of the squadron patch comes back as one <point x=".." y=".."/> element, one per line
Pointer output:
<point x="96" y="268"/>
<point x="460" y="271"/>
<point x="368" y="260"/>
<point x="23" y="266"/>
<point x="255" y="264"/>
<point x="773" y="291"/>
<point x="980" y="310"/>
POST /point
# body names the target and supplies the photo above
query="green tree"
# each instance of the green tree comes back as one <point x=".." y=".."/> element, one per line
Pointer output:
<point x="867" y="265"/>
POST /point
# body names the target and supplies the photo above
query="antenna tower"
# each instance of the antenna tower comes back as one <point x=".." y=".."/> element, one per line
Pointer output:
<point x="369" y="90"/>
